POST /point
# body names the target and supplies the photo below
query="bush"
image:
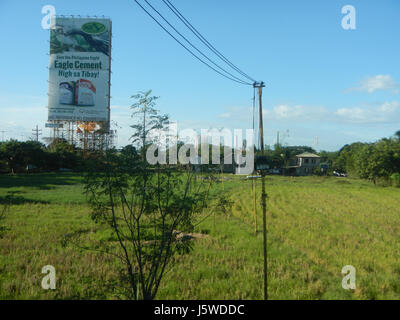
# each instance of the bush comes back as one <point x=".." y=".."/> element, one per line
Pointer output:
<point x="395" y="177"/>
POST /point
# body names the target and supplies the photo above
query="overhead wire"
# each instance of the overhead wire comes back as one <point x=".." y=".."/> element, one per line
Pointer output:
<point x="187" y="49"/>
<point x="203" y="39"/>
<point x="192" y="45"/>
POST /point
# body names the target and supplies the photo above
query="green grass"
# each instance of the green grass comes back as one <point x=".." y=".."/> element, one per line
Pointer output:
<point x="316" y="225"/>
<point x="50" y="188"/>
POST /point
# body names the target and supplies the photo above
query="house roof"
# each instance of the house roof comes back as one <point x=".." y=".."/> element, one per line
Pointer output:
<point x="307" y="155"/>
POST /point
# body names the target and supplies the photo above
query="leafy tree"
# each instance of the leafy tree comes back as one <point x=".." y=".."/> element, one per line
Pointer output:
<point x="397" y="134"/>
<point x="62" y="155"/>
<point x="329" y="157"/>
<point x="19" y="154"/>
<point x="371" y="161"/>
<point x="129" y="151"/>
<point x="283" y="156"/>
<point x="144" y="206"/>
<point x="396" y="179"/>
<point x="346" y="160"/>
<point x="378" y="160"/>
<point x="149" y="120"/>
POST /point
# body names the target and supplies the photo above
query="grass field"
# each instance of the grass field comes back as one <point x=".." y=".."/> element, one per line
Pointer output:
<point x="316" y="225"/>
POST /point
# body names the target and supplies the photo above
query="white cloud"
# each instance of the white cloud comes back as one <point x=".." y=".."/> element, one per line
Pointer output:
<point x="387" y="112"/>
<point x="353" y="113"/>
<point x="384" y="113"/>
<point x="389" y="107"/>
<point x="225" y="115"/>
<point x="279" y="112"/>
<point x="376" y="83"/>
<point x="283" y="111"/>
<point x="121" y="108"/>
<point x="237" y="113"/>
<point x="296" y="112"/>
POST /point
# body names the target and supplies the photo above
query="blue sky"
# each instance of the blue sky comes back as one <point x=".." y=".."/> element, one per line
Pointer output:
<point x="322" y="81"/>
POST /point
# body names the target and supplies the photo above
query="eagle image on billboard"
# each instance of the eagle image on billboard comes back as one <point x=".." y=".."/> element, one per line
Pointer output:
<point x="79" y="67"/>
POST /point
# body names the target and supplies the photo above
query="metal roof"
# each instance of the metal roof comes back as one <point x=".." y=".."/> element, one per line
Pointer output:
<point x="307" y="155"/>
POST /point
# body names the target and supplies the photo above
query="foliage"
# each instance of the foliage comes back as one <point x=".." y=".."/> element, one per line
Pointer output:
<point x="144" y="206"/>
<point x="63" y="155"/>
<point x="224" y="204"/>
<point x="283" y="156"/>
<point x="396" y="179"/>
<point x="149" y="119"/>
<point x="371" y="161"/>
<point x="17" y="155"/>
<point x="329" y="158"/>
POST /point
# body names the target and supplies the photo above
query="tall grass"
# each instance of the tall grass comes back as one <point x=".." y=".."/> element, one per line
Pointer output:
<point x="316" y="225"/>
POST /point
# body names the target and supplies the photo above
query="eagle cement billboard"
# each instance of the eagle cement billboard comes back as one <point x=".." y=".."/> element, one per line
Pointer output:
<point x="79" y="70"/>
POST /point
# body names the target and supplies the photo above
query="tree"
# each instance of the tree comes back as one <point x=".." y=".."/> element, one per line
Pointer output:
<point x="144" y="206"/>
<point x="329" y="157"/>
<point x="62" y="155"/>
<point x="149" y="120"/>
<point x="19" y="154"/>
<point x="378" y="160"/>
<point x="397" y="134"/>
<point x="346" y="160"/>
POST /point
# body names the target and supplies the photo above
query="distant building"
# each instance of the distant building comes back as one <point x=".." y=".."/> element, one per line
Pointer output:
<point x="305" y="163"/>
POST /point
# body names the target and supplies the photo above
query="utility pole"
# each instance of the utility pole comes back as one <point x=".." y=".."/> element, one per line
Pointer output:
<point x="315" y="144"/>
<point x="2" y="134"/>
<point x="36" y="133"/>
<point x="259" y="86"/>
<point x="277" y="139"/>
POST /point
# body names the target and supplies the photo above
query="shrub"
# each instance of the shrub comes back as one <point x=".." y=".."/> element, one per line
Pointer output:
<point x="395" y="177"/>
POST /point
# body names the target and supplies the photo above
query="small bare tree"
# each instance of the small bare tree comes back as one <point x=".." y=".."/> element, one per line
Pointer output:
<point x="144" y="206"/>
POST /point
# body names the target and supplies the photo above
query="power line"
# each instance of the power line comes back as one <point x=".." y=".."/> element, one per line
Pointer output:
<point x="193" y="54"/>
<point x="37" y="133"/>
<point x="238" y="81"/>
<point x="203" y="39"/>
<point x="2" y="134"/>
<point x="192" y="45"/>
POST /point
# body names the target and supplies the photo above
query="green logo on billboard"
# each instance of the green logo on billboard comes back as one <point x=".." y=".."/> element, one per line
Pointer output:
<point x="93" y="28"/>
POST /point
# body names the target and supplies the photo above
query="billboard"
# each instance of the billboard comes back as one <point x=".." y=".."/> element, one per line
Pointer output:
<point x="79" y="69"/>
